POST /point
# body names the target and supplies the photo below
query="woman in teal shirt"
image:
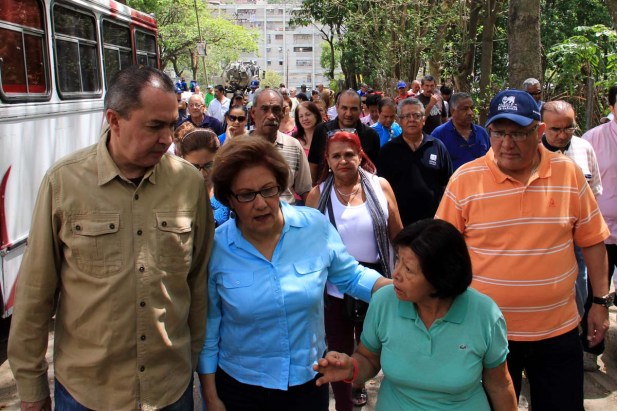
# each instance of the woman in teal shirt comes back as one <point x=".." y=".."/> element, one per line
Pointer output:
<point x="441" y="345"/>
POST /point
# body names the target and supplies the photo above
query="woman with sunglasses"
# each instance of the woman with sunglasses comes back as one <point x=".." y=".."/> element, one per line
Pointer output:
<point x="199" y="148"/>
<point x="267" y="274"/>
<point x="235" y="123"/>
<point x="363" y="209"/>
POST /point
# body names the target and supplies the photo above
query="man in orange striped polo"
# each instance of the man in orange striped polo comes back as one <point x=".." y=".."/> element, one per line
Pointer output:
<point x="522" y="209"/>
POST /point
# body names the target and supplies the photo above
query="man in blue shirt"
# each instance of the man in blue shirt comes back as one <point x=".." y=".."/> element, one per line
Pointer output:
<point x="386" y="127"/>
<point x="464" y="140"/>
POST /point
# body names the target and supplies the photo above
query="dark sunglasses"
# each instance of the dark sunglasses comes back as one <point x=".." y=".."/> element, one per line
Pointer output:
<point x="239" y="119"/>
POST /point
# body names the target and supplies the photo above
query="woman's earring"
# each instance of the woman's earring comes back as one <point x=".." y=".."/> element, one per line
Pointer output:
<point x="232" y="213"/>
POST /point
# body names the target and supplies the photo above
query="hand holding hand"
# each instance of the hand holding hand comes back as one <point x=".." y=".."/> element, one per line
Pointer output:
<point x="334" y="366"/>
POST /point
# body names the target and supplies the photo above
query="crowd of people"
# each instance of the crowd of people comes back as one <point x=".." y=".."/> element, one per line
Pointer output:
<point x="355" y="232"/>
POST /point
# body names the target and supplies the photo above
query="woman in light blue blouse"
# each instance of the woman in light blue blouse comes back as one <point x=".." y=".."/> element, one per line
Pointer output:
<point x="441" y="345"/>
<point x="267" y="273"/>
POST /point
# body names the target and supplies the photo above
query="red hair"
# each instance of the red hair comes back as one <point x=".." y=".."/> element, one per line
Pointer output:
<point x="353" y="140"/>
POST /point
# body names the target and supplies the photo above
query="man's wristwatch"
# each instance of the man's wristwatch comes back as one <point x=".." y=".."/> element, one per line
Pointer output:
<point x="607" y="301"/>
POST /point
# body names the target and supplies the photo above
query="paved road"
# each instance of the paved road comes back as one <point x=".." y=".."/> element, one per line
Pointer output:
<point x="600" y="386"/>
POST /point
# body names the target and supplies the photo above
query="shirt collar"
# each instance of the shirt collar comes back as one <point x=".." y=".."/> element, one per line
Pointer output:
<point x="549" y="147"/>
<point x="456" y="313"/>
<point x="543" y="170"/>
<point x="107" y="168"/>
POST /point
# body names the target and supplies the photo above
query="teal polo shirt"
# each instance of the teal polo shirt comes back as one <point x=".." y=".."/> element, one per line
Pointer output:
<point x="440" y="368"/>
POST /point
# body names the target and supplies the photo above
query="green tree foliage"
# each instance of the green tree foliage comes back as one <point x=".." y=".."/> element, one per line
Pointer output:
<point x="271" y="79"/>
<point x="178" y="35"/>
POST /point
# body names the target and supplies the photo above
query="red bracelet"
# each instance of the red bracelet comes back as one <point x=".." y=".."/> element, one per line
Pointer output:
<point x="355" y="372"/>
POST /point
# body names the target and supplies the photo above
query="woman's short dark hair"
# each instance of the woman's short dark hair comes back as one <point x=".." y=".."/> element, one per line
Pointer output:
<point x="245" y="152"/>
<point x="198" y="139"/>
<point x="442" y="253"/>
<point x="310" y="106"/>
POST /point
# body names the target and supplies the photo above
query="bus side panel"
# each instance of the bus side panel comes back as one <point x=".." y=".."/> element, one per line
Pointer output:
<point x="30" y="148"/>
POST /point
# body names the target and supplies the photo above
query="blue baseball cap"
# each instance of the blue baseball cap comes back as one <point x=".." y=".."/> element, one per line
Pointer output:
<point x="514" y="105"/>
<point x="401" y="84"/>
<point x="255" y="83"/>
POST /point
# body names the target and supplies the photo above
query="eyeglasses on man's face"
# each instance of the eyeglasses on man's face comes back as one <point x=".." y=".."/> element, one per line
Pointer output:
<point x="206" y="166"/>
<point x="566" y="130"/>
<point x="276" y="110"/>
<point x="415" y="116"/>
<point x="196" y="105"/>
<point x="249" y="196"/>
<point x="514" y="135"/>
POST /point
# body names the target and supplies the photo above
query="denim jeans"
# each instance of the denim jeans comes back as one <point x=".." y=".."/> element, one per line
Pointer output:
<point x="64" y="401"/>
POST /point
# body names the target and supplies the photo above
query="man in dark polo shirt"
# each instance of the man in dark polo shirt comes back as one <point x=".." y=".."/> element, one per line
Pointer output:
<point x="417" y="165"/>
<point x="348" y="117"/>
<point x="199" y="118"/>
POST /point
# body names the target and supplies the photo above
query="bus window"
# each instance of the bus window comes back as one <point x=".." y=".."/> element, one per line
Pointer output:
<point x="116" y="48"/>
<point x="23" y="70"/>
<point x="76" y="51"/>
<point x="145" y="45"/>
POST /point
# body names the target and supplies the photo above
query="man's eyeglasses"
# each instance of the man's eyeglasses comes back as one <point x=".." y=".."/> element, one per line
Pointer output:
<point x="239" y="119"/>
<point x="196" y="105"/>
<point x="514" y="135"/>
<point x="250" y="196"/>
<point x="566" y="130"/>
<point x="331" y="133"/>
<point x="535" y="93"/>
<point x="415" y="116"/>
<point x="206" y="166"/>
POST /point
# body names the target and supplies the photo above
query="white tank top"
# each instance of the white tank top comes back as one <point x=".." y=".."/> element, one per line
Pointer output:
<point x="355" y="227"/>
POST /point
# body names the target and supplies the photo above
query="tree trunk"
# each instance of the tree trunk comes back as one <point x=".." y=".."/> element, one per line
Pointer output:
<point x="194" y="63"/>
<point x="330" y="74"/>
<point x="491" y="9"/>
<point x="465" y="68"/>
<point x="524" y="57"/>
<point x="612" y="8"/>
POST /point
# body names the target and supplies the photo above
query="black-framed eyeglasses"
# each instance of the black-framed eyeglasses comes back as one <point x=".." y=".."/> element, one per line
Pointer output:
<point x="249" y="196"/>
<point x="331" y="133"/>
<point x="205" y="166"/>
<point x="535" y="93"/>
<point x="239" y="119"/>
<point x="515" y="135"/>
<point x="276" y="110"/>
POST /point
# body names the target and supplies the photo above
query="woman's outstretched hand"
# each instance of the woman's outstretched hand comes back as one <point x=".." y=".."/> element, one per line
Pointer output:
<point x="335" y="366"/>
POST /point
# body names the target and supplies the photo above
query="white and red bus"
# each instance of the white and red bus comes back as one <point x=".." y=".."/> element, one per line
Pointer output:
<point x="56" y="57"/>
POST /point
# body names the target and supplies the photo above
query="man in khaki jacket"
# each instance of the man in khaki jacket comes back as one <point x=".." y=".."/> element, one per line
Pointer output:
<point x="121" y="233"/>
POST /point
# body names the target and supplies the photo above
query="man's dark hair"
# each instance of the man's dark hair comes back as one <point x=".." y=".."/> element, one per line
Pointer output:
<point x="442" y="253"/>
<point x="219" y="88"/>
<point x="372" y="100"/>
<point x="445" y="90"/>
<point x="426" y="78"/>
<point x="349" y="92"/>
<point x="457" y="98"/>
<point x="386" y="102"/>
<point x="124" y="91"/>
<point x="612" y="95"/>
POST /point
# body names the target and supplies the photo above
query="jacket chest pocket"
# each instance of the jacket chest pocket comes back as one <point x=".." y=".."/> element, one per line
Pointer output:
<point x="174" y="239"/>
<point x="96" y="244"/>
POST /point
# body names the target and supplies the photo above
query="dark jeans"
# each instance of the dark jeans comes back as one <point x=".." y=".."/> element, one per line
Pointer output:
<point x="238" y="396"/>
<point x="554" y="368"/>
<point x="65" y="401"/>
<point x="611" y="250"/>
<point x="341" y="334"/>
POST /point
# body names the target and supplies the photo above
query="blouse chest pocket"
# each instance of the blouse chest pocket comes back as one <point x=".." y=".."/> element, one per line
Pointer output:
<point x="96" y="243"/>
<point x="174" y="238"/>
<point x="309" y="266"/>
<point x="237" y="279"/>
